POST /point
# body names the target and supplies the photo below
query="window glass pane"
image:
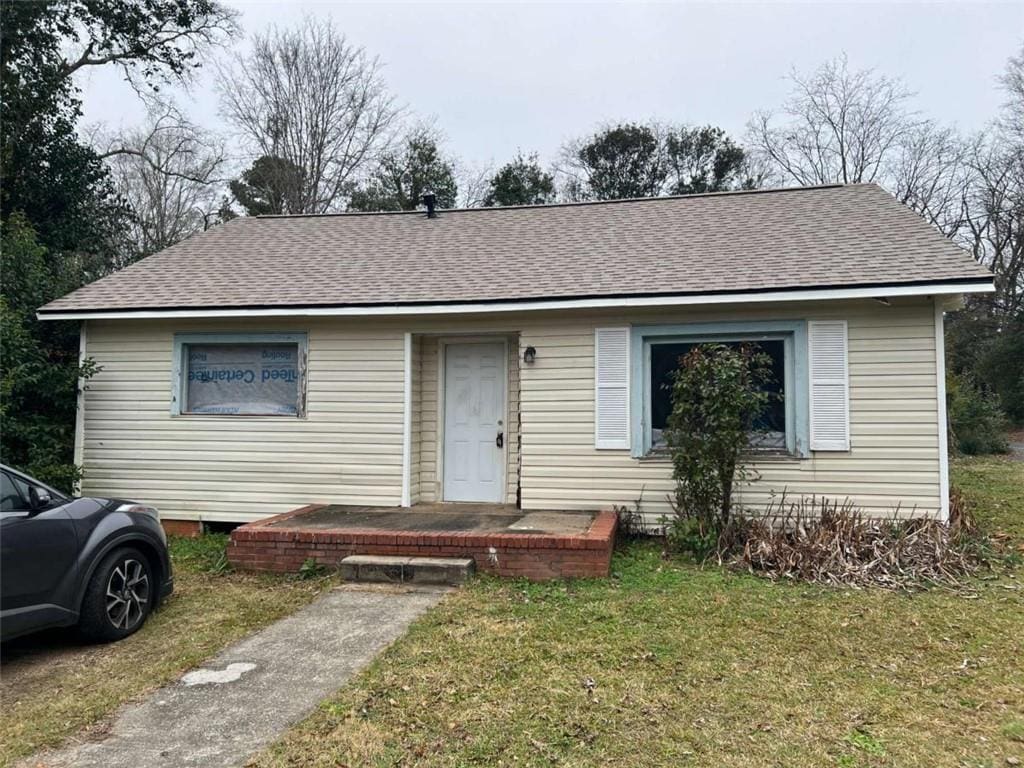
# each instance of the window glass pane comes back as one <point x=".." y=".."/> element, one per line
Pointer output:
<point x="664" y="362"/>
<point x="10" y="499"/>
<point x="21" y="485"/>
<point x="243" y="378"/>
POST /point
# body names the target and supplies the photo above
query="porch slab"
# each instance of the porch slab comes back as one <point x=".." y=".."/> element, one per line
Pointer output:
<point x="500" y="539"/>
<point x="438" y="517"/>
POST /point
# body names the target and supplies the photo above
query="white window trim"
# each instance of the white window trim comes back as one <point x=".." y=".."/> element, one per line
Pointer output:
<point x="179" y="391"/>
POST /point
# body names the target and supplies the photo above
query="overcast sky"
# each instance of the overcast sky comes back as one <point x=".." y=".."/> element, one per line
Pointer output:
<point x="501" y="77"/>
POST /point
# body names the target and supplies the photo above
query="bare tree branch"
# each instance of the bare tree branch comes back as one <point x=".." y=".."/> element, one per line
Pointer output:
<point x="996" y="223"/>
<point x="837" y="126"/>
<point x="309" y="97"/>
<point x="932" y="173"/>
<point x="169" y="171"/>
<point x="474" y="182"/>
<point x="843" y="126"/>
<point x="1011" y="121"/>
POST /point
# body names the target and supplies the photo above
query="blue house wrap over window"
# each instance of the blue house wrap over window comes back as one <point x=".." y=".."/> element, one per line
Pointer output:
<point x="239" y="374"/>
<point x="655" y="352"/>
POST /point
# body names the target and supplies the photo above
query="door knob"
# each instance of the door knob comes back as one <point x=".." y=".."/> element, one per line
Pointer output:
<point x="500" y="440"/>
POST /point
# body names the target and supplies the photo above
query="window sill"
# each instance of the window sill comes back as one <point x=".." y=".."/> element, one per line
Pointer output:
<point x="753" y="457"/>
<point x="296" y="417"/>
<point x="781" y="457"/>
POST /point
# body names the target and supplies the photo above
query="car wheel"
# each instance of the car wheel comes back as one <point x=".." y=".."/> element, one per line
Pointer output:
<point x="119" y="597"/>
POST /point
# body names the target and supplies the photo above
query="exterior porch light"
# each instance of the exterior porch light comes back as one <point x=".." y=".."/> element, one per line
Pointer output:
<point x="529" y="355"/>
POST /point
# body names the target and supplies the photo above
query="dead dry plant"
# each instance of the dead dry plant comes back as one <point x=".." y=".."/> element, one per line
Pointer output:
<point x="827" y="541"/>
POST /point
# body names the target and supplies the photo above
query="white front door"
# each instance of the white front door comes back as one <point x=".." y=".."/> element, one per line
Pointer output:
<point x="474" y="418"/>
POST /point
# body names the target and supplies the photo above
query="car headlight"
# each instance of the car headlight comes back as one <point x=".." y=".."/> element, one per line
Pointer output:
<point x="143" y="509"/>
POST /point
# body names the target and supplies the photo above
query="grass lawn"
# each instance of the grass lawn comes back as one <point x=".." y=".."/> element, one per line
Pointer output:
<point x="996" y="486"/>
<point x="53" y="687"/>
<point x="668" y="664"/>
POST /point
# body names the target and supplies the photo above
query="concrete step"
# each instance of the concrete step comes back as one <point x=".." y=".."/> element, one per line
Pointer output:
<point x="417" y="570"/>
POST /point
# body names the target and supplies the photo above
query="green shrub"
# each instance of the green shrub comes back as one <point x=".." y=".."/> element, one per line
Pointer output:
<point x="1002" y="369"/>
<point x="976" y="423"/>
<point x="40" y="373"/>
<point x="991" y="350"/>
<point x="717" y="397"/>
<point x="200" y="554"/>
<point x="633" y="524"/>
<point x="311" y="569"/>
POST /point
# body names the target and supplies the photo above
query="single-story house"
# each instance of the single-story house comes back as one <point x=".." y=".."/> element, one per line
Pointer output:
<point x="517" y="355"/>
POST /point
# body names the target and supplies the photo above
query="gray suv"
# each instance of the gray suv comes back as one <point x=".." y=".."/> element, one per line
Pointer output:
<point x="100" y="564"/>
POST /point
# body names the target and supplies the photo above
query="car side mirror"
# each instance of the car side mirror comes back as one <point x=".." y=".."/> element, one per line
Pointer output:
<point x="38" y="498"/>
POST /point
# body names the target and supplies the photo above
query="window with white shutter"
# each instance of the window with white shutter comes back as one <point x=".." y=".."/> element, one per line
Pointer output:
<point x="830" y="395"/>
<point x="611" y="388"/>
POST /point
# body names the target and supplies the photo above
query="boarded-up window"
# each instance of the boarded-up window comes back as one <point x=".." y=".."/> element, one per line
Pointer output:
<point x="242" y="378"/>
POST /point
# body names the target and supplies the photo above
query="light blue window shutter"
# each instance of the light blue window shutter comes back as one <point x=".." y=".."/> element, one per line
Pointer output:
<point x="611" y="388"/>
<point x="830" y="387"/>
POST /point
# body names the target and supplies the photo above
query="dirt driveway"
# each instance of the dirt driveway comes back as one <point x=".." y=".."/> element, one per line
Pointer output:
<point x="1017" y="445"/>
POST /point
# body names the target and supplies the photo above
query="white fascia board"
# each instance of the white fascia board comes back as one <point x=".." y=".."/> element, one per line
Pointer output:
<point x="622" y="302"/>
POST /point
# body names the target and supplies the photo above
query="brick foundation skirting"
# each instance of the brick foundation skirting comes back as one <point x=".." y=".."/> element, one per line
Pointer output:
<point x="190" y="528"/>
<point x="269" y="546"/>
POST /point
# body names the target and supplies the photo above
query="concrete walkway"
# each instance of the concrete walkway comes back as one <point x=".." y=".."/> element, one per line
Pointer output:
<point x="244" y="698"/>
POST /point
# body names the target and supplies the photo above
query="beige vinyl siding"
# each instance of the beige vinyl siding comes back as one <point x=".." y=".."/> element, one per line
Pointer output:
<point x="429" y="490"/>
<point x="894" y="456"/>
<point x="348" y="448"/>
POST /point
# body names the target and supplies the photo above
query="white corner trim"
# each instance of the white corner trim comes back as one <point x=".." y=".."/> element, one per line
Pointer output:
<point x="623" y="302"/>
<point x="407" y="425"/>
<point x="940" y="390"/>
<point x="80" y="401"/>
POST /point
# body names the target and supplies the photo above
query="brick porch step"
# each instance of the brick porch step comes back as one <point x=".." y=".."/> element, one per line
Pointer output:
<point x="418" y="570"/>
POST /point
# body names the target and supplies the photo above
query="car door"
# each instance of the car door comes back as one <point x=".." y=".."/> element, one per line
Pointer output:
<point x="38" y="553"/>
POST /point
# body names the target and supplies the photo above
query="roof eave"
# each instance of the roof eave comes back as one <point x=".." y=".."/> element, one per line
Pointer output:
<point x="950" y="288"/>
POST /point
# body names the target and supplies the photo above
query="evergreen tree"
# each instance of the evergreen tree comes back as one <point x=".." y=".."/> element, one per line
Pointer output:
<point x="404" y="175"/>
<point x="521" y="182"/>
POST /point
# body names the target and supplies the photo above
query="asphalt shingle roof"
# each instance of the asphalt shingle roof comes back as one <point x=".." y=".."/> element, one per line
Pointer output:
<point x="854" y="235"/>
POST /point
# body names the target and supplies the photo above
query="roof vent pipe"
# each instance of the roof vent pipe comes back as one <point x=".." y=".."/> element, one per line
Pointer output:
<point x="430" y="200"/>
